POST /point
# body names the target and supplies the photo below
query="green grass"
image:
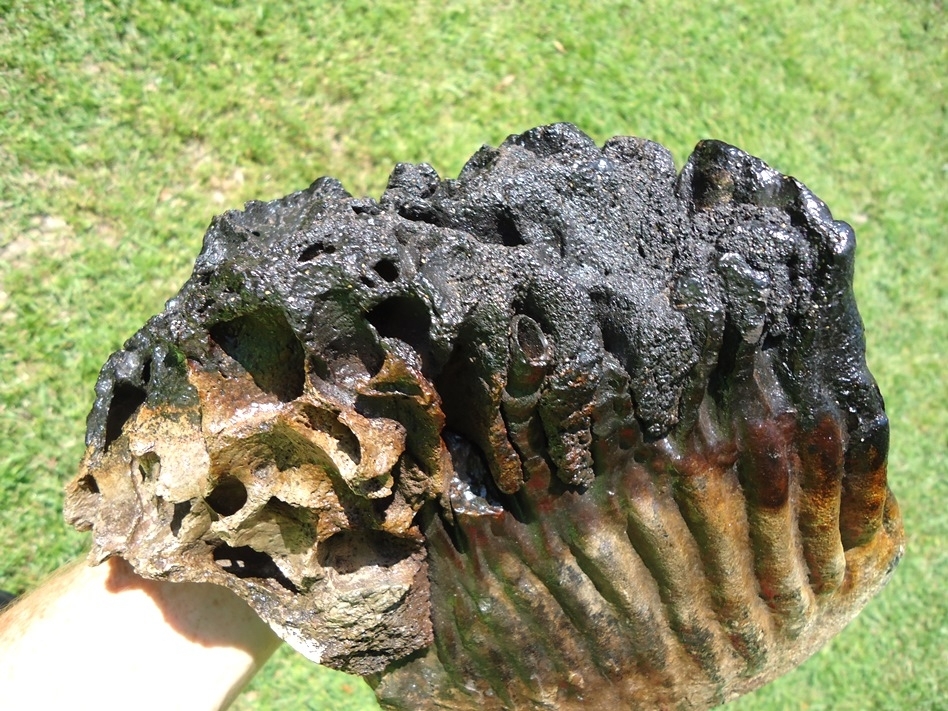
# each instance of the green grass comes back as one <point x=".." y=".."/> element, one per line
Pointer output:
<point x="126" y="125"/>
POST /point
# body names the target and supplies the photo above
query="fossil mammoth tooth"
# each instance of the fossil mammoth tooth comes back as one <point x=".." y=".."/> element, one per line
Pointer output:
<point x="573" y="429"/>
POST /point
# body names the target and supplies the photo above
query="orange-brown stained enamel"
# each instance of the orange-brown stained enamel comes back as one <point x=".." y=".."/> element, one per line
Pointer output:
<point x="864" y="485"/>
<point x="766" y="469"/>
<point x="821" y="472"/>
<point x="764" y="466"/>
<point x="708" y="494"/>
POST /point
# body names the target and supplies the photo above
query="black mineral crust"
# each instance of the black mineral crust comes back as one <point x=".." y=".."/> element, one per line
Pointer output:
<point x="636" y="454"/>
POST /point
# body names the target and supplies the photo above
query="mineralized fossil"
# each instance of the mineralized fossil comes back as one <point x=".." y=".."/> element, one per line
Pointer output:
<point x="573" y="430"/>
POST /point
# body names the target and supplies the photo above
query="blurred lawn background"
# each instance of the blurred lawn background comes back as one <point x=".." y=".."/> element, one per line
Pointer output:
<point x="124" y="126"/>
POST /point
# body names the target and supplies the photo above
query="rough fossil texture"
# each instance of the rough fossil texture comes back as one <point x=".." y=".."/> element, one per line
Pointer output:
<point x="571" y="430"/>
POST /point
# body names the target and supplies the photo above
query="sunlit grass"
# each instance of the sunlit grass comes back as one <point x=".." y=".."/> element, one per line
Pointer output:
<point x="126" y="125"/>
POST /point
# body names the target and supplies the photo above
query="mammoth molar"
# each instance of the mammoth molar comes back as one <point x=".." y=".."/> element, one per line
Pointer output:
<point x="572" y="429"/>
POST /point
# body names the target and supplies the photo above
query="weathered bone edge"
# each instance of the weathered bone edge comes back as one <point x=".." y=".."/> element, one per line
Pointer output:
<point x="571" y="430"/>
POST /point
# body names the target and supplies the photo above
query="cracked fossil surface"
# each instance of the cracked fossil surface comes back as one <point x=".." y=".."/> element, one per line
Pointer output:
<point x="573" y="429"/>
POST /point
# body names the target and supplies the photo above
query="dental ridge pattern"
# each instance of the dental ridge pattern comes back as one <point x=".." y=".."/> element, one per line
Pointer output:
<point x="573" y="429"/>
